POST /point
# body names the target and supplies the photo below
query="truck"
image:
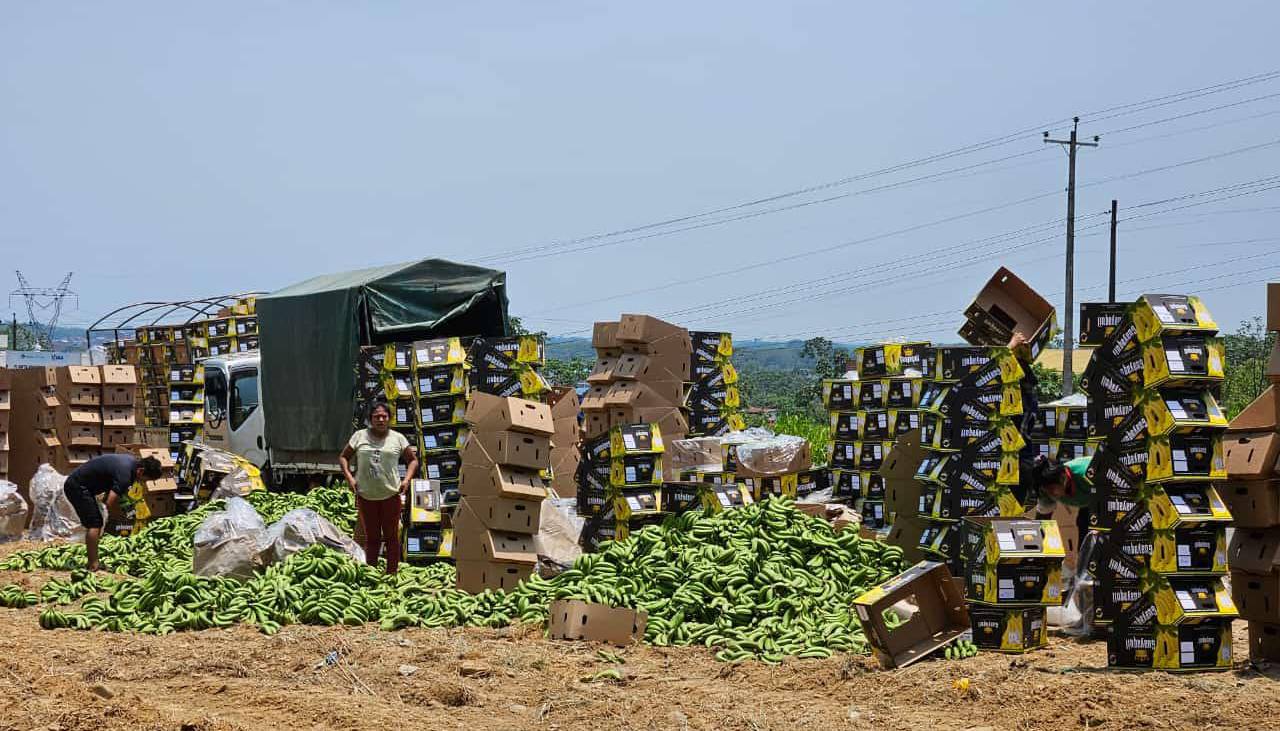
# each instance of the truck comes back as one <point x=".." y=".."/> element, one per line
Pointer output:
<point x="289" y="408"/>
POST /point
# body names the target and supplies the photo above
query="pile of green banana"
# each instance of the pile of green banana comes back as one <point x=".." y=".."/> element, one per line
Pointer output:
<point x="15" y="597"/>
<point x="960" y="649"/>
<point x="765" y="582"/>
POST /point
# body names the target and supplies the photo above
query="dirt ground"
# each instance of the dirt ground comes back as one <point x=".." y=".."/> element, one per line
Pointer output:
<point x="361" y="678"/>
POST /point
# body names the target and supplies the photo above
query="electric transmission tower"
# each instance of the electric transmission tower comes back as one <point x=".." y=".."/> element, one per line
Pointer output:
<point x="43" y="302"/>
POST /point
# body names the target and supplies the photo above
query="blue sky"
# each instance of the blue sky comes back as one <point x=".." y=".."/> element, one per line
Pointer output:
<point x="165" y="150"/>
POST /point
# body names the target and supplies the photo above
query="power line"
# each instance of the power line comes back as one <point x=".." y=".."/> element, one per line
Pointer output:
<point x="1115" y="111"/>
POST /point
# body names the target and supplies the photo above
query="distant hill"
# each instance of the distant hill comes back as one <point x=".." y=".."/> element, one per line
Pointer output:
<point x="748" y="354"/>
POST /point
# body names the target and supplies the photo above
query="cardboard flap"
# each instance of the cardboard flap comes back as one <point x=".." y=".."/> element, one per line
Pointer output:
<point x="1263" y="414"/>
<point x="1255" y="551"/>
<point x="1252" y="455"/>
<point x="649" y="329"/>
<point x="496" y="413"/>
<point x="474" y="542"/>
<point x="80" y="376"/>
<point x="571" y="619"/>
<point x="604" y="370"/>
<point x="651" y="394"/>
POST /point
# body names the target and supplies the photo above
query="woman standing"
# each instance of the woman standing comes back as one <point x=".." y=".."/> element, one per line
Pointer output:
<point x="378" y="487"/>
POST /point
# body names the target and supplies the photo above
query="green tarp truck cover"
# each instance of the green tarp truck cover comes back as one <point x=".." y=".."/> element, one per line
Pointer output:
<point x="311" y="333"/>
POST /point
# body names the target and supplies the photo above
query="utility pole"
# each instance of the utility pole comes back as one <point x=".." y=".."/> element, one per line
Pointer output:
<point x="1068" y="375"/>
<point x="1111" y="282"/>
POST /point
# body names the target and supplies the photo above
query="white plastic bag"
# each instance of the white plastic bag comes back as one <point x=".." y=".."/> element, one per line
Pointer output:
<point x="53" y="517"/>
<point x="299" y="529"/>
<point x="13" y="512"/>
<point x="236" y="484"/>
<point x="1076" y="616"/>
<point x="227" y="542"/>
<point x="558" y="533"/>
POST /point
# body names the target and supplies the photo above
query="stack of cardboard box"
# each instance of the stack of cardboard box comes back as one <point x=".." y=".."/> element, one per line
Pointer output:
<point x="777" y="466"/>
<point x="867" y="415"/>
<point x="1061" y="431"/>
<point x="713" y="400"/>
<point x="565" y="454"/>
<point x="1158" y="518"/>
<point x="158" y="348"/>
<point x="186" y="405"/>
<point x="6" y="403"/>
<point x="502" y="491"/>
<point x="620" y="482"/>
<point x="1013" y="573"/>
<point x="1253" y="494"/>
<point x="438" y="400"/>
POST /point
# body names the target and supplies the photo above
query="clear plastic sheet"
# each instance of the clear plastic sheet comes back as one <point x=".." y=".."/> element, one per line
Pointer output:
<point x="52" y="517"/>
<point x="227" y="542"/>
<point x="299" y="529"/>
<point x="13" y="512"/>
<point x="557" y="539"/>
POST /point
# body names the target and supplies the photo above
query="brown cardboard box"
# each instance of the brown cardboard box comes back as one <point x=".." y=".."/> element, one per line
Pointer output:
<point x="79" y="385"/>
<point x="509" y="515"/>
<point x="643" y="395"/>
<point x="80" y="435"/>
<point x="780" y="459"/>
<point x="1264" y="642"/>
<point x="929" y="602"/>
<point x="1254" y="557"/>
<point x="1273" y="306"/>
<point x="1068" y="529"/>
<point x="604" y="370"/>
<point x="489" y="559"/>
<point x="114" y="436"/>
<point x="604" y="335"/>
<point x="487" y="413"/>
<point x="119" y="385"/>
<point x="513" y="449"/>
<point x="1252" y="455"/>
<point x="479" y="479"/>
<point x="652" y="331"/>
<point x="670" y="420"/>
<point x="1273" y="365"/>
<point x="1253" y="503"/>
<point x="564" y="471"/>
<point x="595" y="423"/>
<point x="594" y="398"/>
<point x="647" y="368"/>
<point x="476" y="576"/>
<point x="571" y="619"/>
<point x="1011" y="304"/>
<point x="1263" y="414"/>
<point x="701" y="454"/>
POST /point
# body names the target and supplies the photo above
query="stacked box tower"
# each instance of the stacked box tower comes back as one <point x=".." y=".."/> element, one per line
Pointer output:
<point x="971" y="441"/>
<point x="1159" y="521"/>
<point x="185" y="401"/>
<point x="713" y="401"/>
<point x="1253" y="494"/>
<point x="1013" y="574"/>
<point x="503" y="487"/>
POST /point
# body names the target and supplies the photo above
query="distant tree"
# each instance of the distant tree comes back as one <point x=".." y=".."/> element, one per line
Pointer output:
<point x="1248" y="349"/>
<point x="567" y="372"/>
<point x="828" y="362"/>
<point x="516" y="324"/>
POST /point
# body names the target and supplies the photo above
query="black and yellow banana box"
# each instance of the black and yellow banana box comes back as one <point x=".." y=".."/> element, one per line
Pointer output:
<point x="637" y="501"/>
<point x="444" y="436"/>
<point x="1194" y="549"/>
<point x="955" y="362"/>
<point x="715" y="377"/>
<point x="523" y="382"/>
<point x="1181" y="411"/>
<point x="710" y="398"/>
<point x="870" y="394"/>
<point x="919" y="537"/>
<point x="846" y="426"/>
<point x="1098" y="320"/>
<point x="398" y="357"/>
<point x="1045" y="426"/>
<point x="902" y="393"/>
<point x="903" y="421"/>
<point x="874" y="425"/>
<point x="1156" y="314"/>
<point x="817" y="479"/>
<point x="440" y="380"/>
<point x="1181" y="623"/>
<point x="840" y="394"/>
<point x="716" y="423"/>
<point x="871" y="454"/>
<point x="427" y="353"/>
<point x="445" y="464"/>
<point x="404" y="412"/>
<point x="1012" y="630"/>
<point x="725" y="496"/>
<point x="874" y="515"/>
<point x="1184" y="359"/>
<point x="954" y="435"/>
<point x="1073" y="422"/>
<point x="976" y="405"/>
<point x="1019" y="562"/>
<point x="786" y="485"/>
<point x="635" y="469"/>
<point x="846" y="484"/>
<point x="709" y="478"/>
<point x="975" y="471"/>
<point x="425" y="543"/>
<point x="398" y="384"/>
<point x="1118" y="582"/>
<point x="954" y="503"/>
<point x="448" y="409"/>
<point x="1186" y="457"/>
<point x="1065" y="450"/>
<point x="1002" y="368"/>
<point x="507" y="353"/>
<point x="843" y="455"/>
<point x="872" y="484"/>
<point x="1121" y="345"/>
<point x="886" y="359"/>
<point x="710" y="347"/>
<point x="1177" y="504"/>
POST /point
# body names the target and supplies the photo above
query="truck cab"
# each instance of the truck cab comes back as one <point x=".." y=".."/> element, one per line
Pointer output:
<point x="233" y="418"/>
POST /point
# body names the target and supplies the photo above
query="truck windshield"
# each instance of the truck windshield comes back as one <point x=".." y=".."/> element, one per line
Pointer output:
<point x="244" y="396"/>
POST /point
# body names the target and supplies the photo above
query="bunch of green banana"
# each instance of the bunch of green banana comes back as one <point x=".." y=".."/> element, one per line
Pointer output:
<point x="15" y="597"/>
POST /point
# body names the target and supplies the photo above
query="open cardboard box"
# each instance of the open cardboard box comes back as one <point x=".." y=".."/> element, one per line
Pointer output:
<point x="1262" y="414"/>
<point x="1253" y="503"/>
<point x="1252" y="455"/>
<point x="510" y="515"/>
<point x="571" y="619"/>
<point x="1008" y="304"/>
<point x="513" y="449"/>
<point x="928" y="601"/>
